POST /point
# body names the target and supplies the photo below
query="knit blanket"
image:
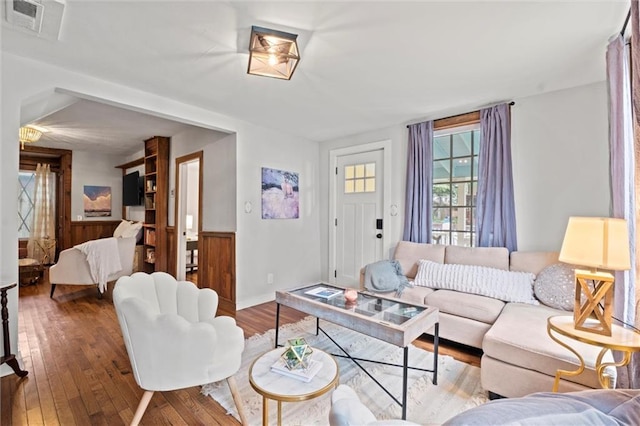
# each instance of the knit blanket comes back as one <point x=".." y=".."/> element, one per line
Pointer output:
<point x="103" y="258"/>
<point x="385" y="276"/>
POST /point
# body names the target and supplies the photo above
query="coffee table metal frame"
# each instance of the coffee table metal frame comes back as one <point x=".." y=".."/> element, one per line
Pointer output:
<point x="400" y="335"/>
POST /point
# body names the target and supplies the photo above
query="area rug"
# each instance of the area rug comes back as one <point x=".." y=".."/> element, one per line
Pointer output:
<point x="458" y="386"/>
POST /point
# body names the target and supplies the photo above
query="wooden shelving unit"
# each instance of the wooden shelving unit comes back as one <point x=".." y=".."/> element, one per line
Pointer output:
<point x="156" y="196"/>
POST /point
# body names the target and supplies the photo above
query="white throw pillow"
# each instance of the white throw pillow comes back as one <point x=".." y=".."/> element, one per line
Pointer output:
<point x="133" y="230"/>
<point x="124" y="225"/>
<point x="508" y="286"/>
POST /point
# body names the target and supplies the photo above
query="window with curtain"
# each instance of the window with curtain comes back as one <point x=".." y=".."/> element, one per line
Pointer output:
<point x="26" y="192"/>
<point x="455" y="184"/>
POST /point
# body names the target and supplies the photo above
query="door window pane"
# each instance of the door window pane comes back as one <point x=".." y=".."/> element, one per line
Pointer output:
<point x="360" y="178"/>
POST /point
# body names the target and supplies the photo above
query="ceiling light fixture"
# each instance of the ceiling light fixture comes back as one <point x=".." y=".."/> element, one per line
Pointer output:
<point x="272" y="53"/>
<point x="28" y="135"/>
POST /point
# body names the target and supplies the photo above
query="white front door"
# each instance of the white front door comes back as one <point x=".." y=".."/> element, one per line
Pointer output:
<point x="358" y="214"/>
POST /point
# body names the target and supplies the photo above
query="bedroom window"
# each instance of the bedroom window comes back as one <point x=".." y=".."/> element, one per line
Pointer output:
<point x="455" y="183"/>
<point x="26" y="187"/>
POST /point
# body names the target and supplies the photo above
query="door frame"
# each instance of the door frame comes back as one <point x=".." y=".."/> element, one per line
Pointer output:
<point x="181" y="248"/>
<point x="385" y="146"/>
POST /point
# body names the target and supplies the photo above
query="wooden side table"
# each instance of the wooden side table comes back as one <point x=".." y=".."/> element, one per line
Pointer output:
<point x="622" y="339"/>
<point x="286" y="389"/>
<point x="8" y="357"/>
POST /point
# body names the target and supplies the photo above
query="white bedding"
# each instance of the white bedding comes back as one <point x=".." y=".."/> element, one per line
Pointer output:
<point x="103" y="259"/>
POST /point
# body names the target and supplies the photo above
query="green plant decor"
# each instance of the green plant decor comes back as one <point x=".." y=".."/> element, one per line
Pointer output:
<point x="297" y="354"/>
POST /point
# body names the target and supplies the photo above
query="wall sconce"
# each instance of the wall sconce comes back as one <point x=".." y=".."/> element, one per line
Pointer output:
<point x="596" y="242"/>
<point x="28" y="135"/>
<point x="272" y="53"/>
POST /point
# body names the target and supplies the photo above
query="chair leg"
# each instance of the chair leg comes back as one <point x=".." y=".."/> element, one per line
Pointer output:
<point x="233" y="387"/>
<point x="53" y="288"/>
<point x="142" y="407"/>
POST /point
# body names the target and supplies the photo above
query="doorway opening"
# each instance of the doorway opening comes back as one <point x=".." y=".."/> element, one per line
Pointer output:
<point x="188" y="214"/>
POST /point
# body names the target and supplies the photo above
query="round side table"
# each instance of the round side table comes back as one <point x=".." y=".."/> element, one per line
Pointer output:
<point x="286" y="389"/>
<point x="622" y="339"/>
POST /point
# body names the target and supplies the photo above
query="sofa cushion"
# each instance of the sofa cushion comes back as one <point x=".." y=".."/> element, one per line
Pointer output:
<point x="472" y="306"/>
<point x="532" y="261"/>
<point x="493" y="257"/>
<point x="492" y="282"/>
<point x="408" y="254"/>
<point x="519" y="337"/>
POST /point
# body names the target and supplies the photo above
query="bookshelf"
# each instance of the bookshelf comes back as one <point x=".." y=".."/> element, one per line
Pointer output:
<point x="156" y="196"/>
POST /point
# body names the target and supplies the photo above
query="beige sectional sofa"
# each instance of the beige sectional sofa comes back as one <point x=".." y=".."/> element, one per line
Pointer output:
<point x="518" y="355"/>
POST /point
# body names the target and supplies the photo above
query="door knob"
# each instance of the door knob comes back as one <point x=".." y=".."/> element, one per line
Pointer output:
<point x="378" y="235"/>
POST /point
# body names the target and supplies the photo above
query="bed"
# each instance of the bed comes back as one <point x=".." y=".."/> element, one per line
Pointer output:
<point x="73" y="268"/>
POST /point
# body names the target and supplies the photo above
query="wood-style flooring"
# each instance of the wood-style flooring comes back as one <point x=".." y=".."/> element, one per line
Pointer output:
<point x="79" y="371"/>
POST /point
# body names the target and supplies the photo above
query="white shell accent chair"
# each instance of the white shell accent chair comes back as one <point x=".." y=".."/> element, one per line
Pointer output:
<point x="348" y="410"/>
<point x="173" y="338"/>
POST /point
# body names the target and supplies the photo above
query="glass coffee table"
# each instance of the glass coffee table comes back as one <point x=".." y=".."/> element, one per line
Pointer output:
<point x="390" y="320"/>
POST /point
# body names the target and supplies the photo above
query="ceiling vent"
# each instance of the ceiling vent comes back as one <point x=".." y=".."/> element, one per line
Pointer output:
<point x="39" y="17"/>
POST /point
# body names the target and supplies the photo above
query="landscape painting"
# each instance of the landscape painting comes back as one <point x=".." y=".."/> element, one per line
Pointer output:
<point x="97" y="201"/>
<point x="280" y="194"/>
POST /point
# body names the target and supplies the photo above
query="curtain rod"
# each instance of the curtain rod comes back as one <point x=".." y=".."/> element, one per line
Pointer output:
<point x="512" y="103"/>
<point x="626" y="21"/>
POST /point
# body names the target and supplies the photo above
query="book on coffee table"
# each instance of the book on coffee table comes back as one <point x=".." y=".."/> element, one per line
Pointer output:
<point x="323" y="292"/>
<point x="304" y="374"/>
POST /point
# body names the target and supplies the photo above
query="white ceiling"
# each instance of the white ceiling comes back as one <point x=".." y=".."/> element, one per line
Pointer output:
<point x="364" y="66"/>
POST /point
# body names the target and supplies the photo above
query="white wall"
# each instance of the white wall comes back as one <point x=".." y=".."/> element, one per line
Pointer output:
<point x="560" y="166"/>
<point x="289" y="249"/>
<point x="89" y="169"/>
<point x="560" y="154"/>
<point x="278" y="246"/>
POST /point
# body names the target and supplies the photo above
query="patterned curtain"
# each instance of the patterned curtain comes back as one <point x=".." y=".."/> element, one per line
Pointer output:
<point x="419" y="192"/>
<point x="496" y="213"/>
<point x="42" y="243"/>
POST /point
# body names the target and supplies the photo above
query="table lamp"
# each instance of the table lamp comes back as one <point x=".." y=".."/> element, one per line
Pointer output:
<point x="595" y="242"/>
<point x="189" y="222"/>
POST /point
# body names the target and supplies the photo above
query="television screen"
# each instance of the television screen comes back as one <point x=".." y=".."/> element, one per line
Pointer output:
<point x="132" y="185"/>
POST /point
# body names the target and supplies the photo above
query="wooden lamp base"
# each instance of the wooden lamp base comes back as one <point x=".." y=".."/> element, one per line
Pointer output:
<point x="598" y="305"/>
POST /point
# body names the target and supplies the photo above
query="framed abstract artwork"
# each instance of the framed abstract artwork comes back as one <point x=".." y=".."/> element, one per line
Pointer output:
<point x="280" y="194"/>
<point x="97" y="201"/>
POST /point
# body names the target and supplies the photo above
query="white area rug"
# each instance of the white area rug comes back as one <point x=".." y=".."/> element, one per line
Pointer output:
<point x="458" y="383"/>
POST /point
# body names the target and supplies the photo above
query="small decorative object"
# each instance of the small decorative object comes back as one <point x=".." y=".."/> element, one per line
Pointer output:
<point x="296" y="355"/>
<point x="350" y="295"/>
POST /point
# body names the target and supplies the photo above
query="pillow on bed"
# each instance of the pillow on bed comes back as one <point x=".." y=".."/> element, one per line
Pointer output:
<point x="133" y="230"/>
<point x="124" y="225"/>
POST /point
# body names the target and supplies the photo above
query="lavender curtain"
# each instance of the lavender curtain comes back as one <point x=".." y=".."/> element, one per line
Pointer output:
<point x="496" y="216"/>
<point x="419" y="191"/>
<point x="621" y="166"/>
<point x="629" y="306"/>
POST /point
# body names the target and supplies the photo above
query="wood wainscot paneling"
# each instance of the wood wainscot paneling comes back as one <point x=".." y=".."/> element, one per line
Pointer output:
<point x="217" y="268"/>
<point x="172" y="247"/>
<point x="86" y="230"/>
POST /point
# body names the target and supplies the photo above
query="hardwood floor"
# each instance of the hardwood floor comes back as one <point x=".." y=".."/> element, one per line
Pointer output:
<point x="79" y="371"/>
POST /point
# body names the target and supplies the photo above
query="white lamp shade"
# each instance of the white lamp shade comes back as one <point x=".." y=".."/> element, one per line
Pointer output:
<point x="596" y="242"/>
<point x="189" y="221"/>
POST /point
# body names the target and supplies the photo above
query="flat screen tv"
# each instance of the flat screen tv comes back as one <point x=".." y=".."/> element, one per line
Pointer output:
<point x="132" y="189"/>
